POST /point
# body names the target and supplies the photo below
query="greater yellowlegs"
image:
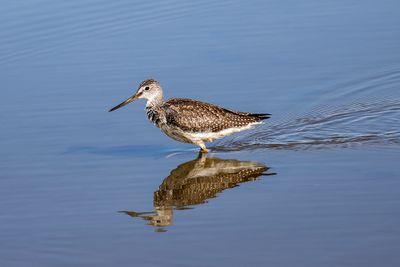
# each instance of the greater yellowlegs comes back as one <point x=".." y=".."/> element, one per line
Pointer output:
<point x="191" y="121"/>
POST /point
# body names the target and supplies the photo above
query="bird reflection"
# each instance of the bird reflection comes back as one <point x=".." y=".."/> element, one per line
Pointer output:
<point x="196" y="181"/>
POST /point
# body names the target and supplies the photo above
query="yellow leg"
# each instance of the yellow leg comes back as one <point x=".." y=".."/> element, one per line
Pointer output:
<point x="203" y="148"/>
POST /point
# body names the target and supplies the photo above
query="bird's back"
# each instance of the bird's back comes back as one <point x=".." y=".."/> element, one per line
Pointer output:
<point x="196" y="116"/>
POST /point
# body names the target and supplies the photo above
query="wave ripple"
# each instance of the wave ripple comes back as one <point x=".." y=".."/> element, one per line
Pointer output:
<point x="372" y="122"/>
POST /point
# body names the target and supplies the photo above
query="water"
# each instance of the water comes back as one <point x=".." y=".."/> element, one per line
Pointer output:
<point x="316" y="185"/>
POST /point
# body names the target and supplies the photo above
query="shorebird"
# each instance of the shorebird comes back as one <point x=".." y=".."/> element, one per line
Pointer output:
<point x="191" y="121"/>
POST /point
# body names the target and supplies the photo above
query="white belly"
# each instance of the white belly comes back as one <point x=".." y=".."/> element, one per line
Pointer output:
<point x="200" y="137"/>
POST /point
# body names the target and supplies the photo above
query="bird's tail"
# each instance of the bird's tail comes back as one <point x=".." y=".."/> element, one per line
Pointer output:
<point x="261" y="116"/>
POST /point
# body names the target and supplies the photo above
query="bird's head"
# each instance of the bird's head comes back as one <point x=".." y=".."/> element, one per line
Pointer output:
<point x="148" y="89"/>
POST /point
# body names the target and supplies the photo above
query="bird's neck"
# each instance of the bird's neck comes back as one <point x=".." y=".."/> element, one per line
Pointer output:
<point x="153" y="110"/>
<point x="155" y="101"/>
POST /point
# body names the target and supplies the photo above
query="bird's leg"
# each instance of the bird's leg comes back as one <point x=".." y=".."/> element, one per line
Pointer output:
<point x="203" y="148"/>
<point x="201" y="158"/>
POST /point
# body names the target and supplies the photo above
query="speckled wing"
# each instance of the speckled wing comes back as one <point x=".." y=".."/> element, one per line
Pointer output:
<point x="195" y="116"/>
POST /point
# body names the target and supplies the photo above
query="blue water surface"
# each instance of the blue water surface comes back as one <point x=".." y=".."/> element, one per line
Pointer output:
<point x="316" y="185"/>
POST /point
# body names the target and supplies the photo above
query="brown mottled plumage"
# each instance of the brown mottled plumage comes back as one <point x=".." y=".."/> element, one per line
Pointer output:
<point x="195" y="181"/>
<point x="191" y="121"/>
<point x="195" y="116"/>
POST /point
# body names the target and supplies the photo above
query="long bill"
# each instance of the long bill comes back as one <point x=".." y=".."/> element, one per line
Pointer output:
<point x="129" y="100"/>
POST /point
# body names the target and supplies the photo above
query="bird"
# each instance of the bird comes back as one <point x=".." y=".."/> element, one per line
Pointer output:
<point x="191" y="121"/>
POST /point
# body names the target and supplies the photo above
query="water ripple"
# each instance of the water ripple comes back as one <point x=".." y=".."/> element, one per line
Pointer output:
<point x="372" y="119"/>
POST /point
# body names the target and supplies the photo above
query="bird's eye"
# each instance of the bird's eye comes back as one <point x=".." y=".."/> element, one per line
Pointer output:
<point x="147" y="88"/>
